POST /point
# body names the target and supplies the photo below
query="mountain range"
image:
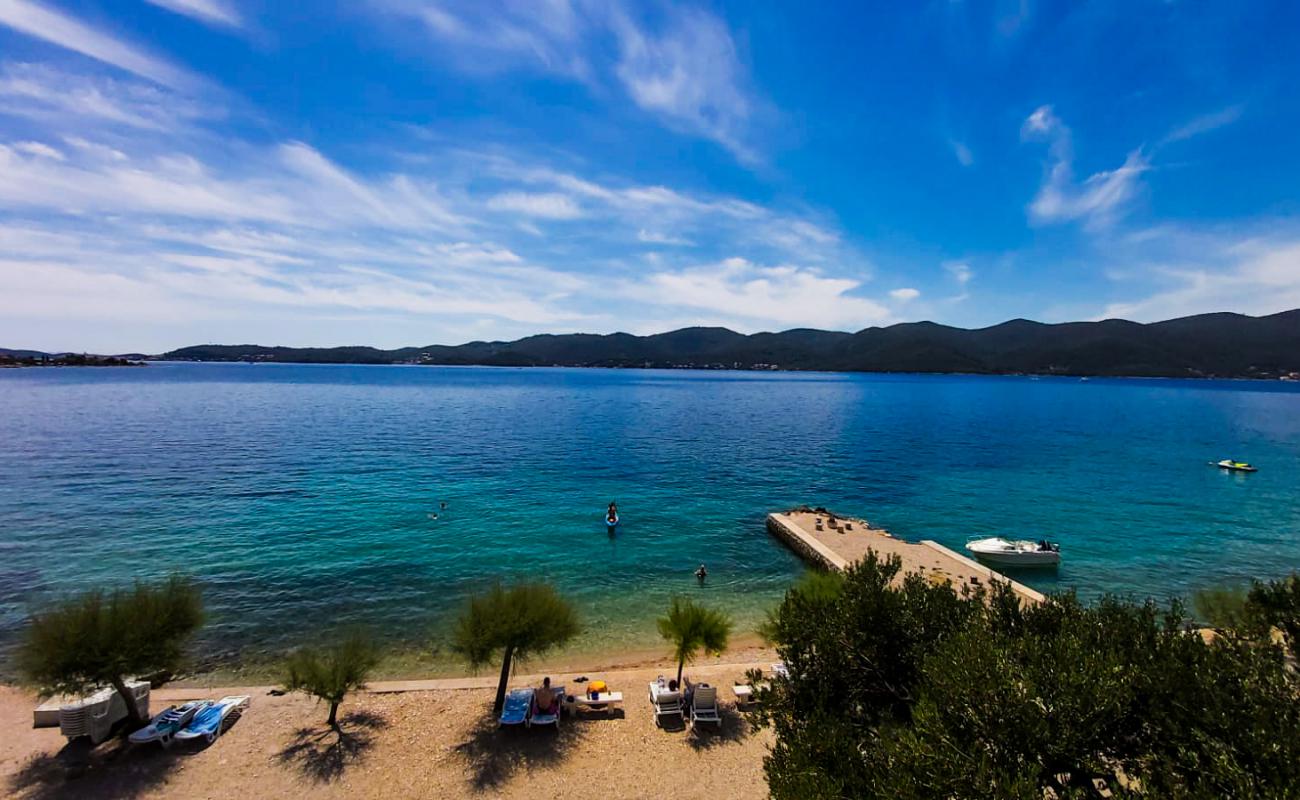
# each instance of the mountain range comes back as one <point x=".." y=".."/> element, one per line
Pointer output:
<point x="1207" y="345"/>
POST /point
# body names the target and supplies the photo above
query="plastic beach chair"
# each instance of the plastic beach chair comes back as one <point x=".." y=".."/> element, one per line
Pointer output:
<point x="548" y="716"/>
<point x="517" y="707"/>
<point x="210" y="722"/>
<point x="704" y="706"/>
<point x="665" y="703"/>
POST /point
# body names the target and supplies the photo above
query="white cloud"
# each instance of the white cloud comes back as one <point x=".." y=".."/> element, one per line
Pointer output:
<point x="654" y="237"/>
<point x="212" y="12"/>
<point x="685" y="70"/>
<point x="56" y="28"/>
<point x="1205" y="123"/>
<point x="751" y="297"/>
<point x="960" y="271"/>
<point x="905" y="294"/>
<point x="1098" y="200"/>
<point x="690" y="75"/>
<point x="1249" y="276"/>
<point x="53" y="97"/>
<point x="38" y="149"/>
<point x="962" y="153"/>
<point x="547" y="205"/>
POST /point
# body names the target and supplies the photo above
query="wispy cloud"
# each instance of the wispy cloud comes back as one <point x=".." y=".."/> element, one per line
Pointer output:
<point x="905" y="294"/>
<point x="689" y="74"/>
<point x="550" y="205"/>
<point x="960" y="271"/>
<point x="1205" y="123"/>
<point x="683" y="67"/>
<point x="962" y="153"/>
<point x="751" y="297"/>
<point x="60" y="29"/>
<point x="1099" y="199"/>
<point x="1201" y="272"/>
<point x="55" y="96"/>
<point x="211" y="12"/>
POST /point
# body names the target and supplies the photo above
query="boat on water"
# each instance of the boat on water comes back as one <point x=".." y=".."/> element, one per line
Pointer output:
<point x="1235" y="466"/>
<point x="1016" y="552"/>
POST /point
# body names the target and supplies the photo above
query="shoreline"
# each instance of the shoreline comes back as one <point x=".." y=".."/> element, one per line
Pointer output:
<point x="416" y="665"/>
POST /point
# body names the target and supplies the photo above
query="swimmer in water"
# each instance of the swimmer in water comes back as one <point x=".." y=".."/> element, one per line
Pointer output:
<point x="701" y="573"/>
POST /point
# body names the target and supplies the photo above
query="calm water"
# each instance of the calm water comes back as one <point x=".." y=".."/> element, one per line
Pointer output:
<point x="301" y="495"/>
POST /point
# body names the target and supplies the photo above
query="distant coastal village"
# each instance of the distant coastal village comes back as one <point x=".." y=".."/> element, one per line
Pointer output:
<point x="9" y="361"/>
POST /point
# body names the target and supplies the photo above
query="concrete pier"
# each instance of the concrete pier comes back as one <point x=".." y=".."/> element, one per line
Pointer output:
<point x="832" y="542"/>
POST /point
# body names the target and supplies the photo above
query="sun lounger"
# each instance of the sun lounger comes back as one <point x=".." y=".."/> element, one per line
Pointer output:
<point x="704" y="705"/>
<point x="168" y="723"/>
<point x="517" y="707"/>
<point x="93" y="716"/>
<point x="665" y="702"/>
<point x="209" y="722"/>
<point x="779" y="669"/>
<point x="550" y="716"/>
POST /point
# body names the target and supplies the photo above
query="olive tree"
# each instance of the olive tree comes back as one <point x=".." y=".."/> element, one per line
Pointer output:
<point x="333" y="672"/>
<point x="100" y="637"/>
<point x="513" y="623"/>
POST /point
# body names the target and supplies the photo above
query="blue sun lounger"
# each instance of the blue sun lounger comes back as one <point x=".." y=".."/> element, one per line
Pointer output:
<point x="208" y="723"/>
<point x="519" y="704"/>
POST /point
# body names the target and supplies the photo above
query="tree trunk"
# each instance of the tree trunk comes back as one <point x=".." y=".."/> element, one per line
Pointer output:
<point x="132" y="709"/>
<point x="333" y="721"/>
<point x="501" y="685"/>
<point x="680" y="664"/>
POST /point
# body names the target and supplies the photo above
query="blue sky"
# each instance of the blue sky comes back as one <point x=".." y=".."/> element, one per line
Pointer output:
<point x="403" y="172"/>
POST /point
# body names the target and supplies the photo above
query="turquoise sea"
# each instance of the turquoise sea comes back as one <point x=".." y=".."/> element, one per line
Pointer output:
<point x="300" y="496"/>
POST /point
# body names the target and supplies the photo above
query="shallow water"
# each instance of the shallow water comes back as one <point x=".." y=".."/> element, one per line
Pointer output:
<point x="301" y="495"/>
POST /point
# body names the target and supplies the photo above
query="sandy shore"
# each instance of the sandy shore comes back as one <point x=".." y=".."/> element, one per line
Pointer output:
<point x="431" y="743"/>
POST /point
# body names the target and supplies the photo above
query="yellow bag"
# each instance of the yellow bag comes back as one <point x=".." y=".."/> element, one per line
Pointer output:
<point x="597" y="686"/>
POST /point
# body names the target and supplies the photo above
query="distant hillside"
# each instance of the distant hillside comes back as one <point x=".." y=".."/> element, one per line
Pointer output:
<point x="1209" y="345"/>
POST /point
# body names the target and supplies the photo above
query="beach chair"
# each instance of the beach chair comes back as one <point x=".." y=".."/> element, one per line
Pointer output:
<point x="780" y="670"/>
<point x="518" y="706"/>
<point x="704" y="705"/>
<point x="210" y="722"/>
<point x="666" y="703"/>
<point x="539" y="716"/>
<point x="166" y="725"/>
<point x="96" y="715"/>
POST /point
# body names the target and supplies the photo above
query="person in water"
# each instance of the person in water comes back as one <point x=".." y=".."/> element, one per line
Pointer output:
<point x="701" y="573"/>
<point x="545" y="698"/>
<point x="612" y="514"/>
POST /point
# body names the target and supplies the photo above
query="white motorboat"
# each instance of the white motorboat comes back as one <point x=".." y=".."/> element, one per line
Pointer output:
<point x="1015" y="552"/>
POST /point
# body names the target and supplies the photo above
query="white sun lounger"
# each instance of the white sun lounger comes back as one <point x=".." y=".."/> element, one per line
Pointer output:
<point x="665" y="702"/>
<point x="539" y="717"/>
<point x="704" y="706"/>
<point x="210" y="722"/>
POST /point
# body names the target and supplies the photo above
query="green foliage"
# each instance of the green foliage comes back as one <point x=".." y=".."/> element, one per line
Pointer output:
<point x="333" y="672"/>
<point x="99" y="638"/>
<point x="1223" y="607"/>
<point x="910" y="690"/>
<point x="691" y="628"/>
<point x="516" y="622"/>
<point x="1277" y="604"/>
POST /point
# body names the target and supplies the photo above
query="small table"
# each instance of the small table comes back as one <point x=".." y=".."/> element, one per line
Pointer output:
<point x="575" y="702"/>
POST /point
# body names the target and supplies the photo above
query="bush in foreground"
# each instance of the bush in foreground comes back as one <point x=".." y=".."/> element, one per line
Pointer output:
<point x="911" y="690"/>
<point x="102" y="638"/>
<point x="331" y="673"/>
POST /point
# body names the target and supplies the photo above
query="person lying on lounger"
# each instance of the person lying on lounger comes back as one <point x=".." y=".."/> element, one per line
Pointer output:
<point x="545" y="698"/>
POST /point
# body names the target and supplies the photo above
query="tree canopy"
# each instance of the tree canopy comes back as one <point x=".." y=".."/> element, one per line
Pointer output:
<point x="332" y="673"/>
<point x="908" y="689"/>
<point x="690" y="628"/>
<point x="513" y="622"/>
<point x="100" y="638"/>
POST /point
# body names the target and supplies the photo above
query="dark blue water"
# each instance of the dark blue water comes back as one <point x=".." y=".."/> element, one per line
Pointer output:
<point x="301" y="495"/>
